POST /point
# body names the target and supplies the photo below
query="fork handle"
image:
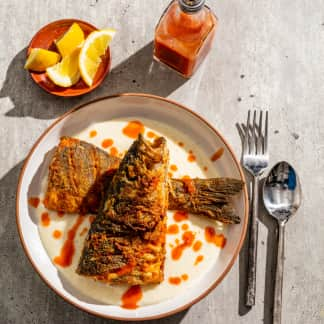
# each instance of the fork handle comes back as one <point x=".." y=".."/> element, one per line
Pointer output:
<point x="253" y="244"/>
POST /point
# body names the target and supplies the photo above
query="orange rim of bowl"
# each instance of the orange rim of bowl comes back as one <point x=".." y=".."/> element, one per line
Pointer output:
<point x="70" y="91"/>
<point x="203" y="294"/>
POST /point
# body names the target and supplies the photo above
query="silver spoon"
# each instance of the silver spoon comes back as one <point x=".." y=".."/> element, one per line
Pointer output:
<point x="282" y="198"/>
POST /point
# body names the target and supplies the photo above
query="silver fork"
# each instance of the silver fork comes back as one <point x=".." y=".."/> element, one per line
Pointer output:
<point x="255" y="160"/>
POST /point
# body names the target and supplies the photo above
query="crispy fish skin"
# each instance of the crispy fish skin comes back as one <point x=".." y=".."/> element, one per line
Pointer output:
<point x="137" y="194"/>
<point x="77" y="176"/>
<point x="210" y="197"/>
<point x="126" y="241"/>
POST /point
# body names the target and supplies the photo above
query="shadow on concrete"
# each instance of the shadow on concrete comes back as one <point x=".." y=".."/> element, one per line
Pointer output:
<point x="138" y="73"/>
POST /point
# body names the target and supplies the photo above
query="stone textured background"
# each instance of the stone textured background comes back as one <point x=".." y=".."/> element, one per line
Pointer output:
<point x="267" y="54"/>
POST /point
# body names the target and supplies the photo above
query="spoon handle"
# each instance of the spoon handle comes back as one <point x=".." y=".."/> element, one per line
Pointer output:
<point x="279" y="275"/>
<point x="253" y="244"/>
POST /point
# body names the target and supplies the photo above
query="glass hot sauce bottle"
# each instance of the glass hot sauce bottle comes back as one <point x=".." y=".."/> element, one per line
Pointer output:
<point x="184" y="35"/>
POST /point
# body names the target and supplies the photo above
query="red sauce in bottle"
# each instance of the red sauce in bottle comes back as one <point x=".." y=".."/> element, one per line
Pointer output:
<point x="45" y="219"/>
<point x="182" y="40"/>
<point x="131" y="297"/>
<point x="211" y="237"/>
<point x="68" y="249"/>
<point x="34" y="201"/>
<point x="180" y="216"/>
<point x="217" y="155"/>
<point x="133" y="129"/>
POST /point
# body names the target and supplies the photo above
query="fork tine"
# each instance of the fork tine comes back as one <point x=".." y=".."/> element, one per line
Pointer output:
<point x="265" y="144"/>
<point x="247" y="133"/>
<point x="254" y="139"/>
<point x="259" y="137"/>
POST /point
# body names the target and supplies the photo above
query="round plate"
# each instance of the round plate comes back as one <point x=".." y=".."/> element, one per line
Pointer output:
<point x="45" y="37"/>
<point x="134" y="106"/>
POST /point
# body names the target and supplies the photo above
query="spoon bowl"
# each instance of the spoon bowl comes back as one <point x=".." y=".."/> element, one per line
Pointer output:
<point x="282" y="198"/>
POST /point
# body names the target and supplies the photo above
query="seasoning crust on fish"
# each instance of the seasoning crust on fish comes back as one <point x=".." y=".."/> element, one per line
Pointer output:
<point x="126" y="241"/>
<point x="79" y="173"/>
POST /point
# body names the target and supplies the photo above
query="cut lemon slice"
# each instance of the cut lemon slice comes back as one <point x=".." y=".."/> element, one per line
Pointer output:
<point x="93" y="48"/>
<point x="66" y="73"/>
<point x="40" y="59"/>
<point x="73" y="38"/>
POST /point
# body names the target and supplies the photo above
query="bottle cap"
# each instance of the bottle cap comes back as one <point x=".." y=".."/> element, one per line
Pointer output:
<point x="191" y="6"/>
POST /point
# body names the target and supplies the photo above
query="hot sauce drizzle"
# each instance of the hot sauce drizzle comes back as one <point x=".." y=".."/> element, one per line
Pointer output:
<point x="57" y="234"/>
<point x="34" y="201"/>
<point x="184" y="227"/>
<point x="68" y="249"/>
<point x="179" y="216"/>
<point x="174" y="280"/>
<point x="107" y="142"/>
<point x="133" y="129"/>
<point x="191" y="157"/>
<point x="197" y="246"/>
<point x="151" y="134"/>
<point x="114" y="151"/>
<point x="184" y="277"/>
<point x="217" y="155"/>
<point x="173" y="168"/>
<point x="188" y="238"/>
<point x="93" y="133"/>
<point x="45" y="219"/>
<point x="199" y="259"/>
<point x="173" y="229"/>
<point x="211" y="237"/>
<point x="84" y="230"/>
<point x="131" y="297"/>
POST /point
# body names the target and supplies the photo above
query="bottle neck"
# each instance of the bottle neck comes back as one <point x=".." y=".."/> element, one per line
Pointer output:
<point x="191" y="6"/>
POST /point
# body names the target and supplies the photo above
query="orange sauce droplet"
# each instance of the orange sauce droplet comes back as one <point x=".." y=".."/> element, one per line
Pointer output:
<point x="173" y="168"/>
<point x="114" y="151"/>
<point x="174" y="280"/>
<point x="151" y="134"/>
<point x="177" y="241"/>
<point x="184" y="227"/>
<point x="184" y="277"/>
<point x="45" y="219"/>
<point x="179" y="216"/>
<point x="211" y="237"/>
<point x="57" y="234"/>
<point x="92" y="218"/>
<point x="190" y="152"/>
<point x="197" y="246"/>
<point x="170" y="174"/>
<point x="205" y="168"/>
<point x="60" y="214"/>
<point x="186" y="177"/>
<point x="190" y="186"/>
<point x="84" y="230"/>
<point x="181" y="144"/>
<point x="187" y="238"/>
<point x="68" y="249"/>
<point x="217" y="155"/>
<point x="191" y="157"/>
<point x="93" y="133"/>
<point x="131" y="297"/>
<point x="34" y="201"/>
<point x="107" y="142"/>
<point x="199" y="259"/>
<point x="173" y="229"/>
<point x="133" y="129"/>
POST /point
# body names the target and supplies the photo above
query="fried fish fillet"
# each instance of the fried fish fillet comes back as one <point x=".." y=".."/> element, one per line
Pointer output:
<point x="126" y="241"/>
<point x="79" y="173"/>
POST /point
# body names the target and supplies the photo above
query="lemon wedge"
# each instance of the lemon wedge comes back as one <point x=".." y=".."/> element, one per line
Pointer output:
<point x="72" y="38"/>
<point x="66" y="73"/>
<point x="93" y="48"/>
<point x="40" y="59"/>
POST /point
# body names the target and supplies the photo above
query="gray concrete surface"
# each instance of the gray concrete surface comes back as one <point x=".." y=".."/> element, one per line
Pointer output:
<point x="267" y="53"/>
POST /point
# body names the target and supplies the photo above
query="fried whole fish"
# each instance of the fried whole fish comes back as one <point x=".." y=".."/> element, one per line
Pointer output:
<point x="126" y="241"/>
<point x="80" y="172"/>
